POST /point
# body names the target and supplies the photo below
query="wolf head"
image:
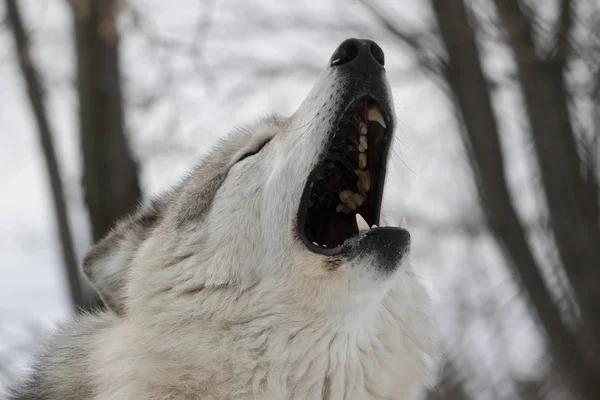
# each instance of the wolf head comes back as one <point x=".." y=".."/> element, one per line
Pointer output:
<point x="275" y="221"/>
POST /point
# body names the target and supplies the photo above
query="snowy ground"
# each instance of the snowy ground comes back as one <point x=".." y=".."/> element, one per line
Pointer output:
<point x="428" y="182"/>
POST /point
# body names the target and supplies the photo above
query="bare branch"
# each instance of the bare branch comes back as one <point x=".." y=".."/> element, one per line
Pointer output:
<point x="36" y="99"/>
<point x="572" y="197"/>
<point x="406" y="38"/>
<point x="466" y="78"/>
<point x="562" y="47"/>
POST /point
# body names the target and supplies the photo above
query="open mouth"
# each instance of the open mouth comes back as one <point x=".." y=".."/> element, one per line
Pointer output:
<point x="347" y="181"/>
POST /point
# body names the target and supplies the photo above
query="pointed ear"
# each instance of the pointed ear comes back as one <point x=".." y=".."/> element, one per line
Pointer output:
<point x="107" y="264"/>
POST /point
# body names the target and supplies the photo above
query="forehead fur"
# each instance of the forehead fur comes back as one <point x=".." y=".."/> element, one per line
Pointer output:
<point x="108" y="263"/>
<point x="201" y="185"/>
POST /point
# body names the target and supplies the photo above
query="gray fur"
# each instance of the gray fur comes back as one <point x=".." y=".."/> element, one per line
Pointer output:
<point x="61" y="369"/>
<point x="213" y="296"/>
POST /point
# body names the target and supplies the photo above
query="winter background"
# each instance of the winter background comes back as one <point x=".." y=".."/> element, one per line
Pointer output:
<point x="192" y="70"/>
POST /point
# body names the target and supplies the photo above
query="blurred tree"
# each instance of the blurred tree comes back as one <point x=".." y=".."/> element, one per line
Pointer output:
<point x="36" y="99"/>
<point x="571" y="192"/>
<point x="110" y="173"/>
<point x="451" y="52"/>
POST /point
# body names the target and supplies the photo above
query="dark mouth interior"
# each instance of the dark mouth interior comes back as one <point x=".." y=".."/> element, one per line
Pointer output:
<point x="348" y="180"/>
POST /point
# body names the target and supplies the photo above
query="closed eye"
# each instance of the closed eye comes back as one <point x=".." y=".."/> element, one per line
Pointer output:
<point x="254" y="151"/>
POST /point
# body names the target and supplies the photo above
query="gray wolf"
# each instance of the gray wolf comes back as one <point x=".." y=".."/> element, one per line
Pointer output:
<point x="258" y="277"/>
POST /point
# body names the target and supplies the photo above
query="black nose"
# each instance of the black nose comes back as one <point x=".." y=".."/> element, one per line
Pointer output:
<point x="361" y="55"/>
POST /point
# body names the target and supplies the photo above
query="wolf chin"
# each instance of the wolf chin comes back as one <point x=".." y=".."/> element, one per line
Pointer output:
<point x="258" y="277"/>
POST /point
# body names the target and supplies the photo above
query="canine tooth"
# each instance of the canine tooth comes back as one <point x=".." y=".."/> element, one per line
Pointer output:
<point x="361" y="223"/>
<point x="358" y="199"/>
<point x="374" y="226"/>
<point x="315" y="243"/>
<point x="363" y="144"/>
<point x="362" y="160"/>
<point x="375" y="115"/>
<point x="402" y="223"/>
<point x="363" y="128"/>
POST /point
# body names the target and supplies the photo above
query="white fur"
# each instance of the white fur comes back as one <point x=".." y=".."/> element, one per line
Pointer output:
<point x="218" y="299"/>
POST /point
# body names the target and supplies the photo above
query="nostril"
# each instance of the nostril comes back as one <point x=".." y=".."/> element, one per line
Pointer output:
<point x="377" y="53"/>
<point x="346" y="52"/>
<point x="359" y="56"/>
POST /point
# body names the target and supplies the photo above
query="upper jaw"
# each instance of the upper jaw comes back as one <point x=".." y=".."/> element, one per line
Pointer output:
<point x="365" y="112"/>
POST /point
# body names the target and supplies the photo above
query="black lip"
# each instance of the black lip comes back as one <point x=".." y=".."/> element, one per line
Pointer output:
<point x="387" y="244"/>
<point x="373" y="90"/>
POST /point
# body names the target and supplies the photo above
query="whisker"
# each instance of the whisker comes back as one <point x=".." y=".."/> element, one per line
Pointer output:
<point x="304" y="132"/>
<point x="396" y="157"/>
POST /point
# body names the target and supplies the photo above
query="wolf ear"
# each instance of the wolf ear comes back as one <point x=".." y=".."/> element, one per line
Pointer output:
<point x="107" y="264"/>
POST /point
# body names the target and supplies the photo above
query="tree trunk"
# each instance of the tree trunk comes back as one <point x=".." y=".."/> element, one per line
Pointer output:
<point x="572" y="197"/>
<point x="110" y="176"/>
<point x="465" y="77"/>
<point x="36" y="98"/>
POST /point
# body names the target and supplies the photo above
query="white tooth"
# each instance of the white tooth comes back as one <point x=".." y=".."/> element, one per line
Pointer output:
<point x="364" y="181"/>
<point x="361" y="189"/>
<point x="358" y="199"/>
<point x="363" y="144"/>
<point x="315" y="243"/>
<point x="346" y="196"/>
<point x="375" y="115"/>
<point x="402" y="223"/>
<point x="363" y="128"/>
<point x="361" y="223"/>
<point x="362" y="160"/>
<point x="374" y="226"/>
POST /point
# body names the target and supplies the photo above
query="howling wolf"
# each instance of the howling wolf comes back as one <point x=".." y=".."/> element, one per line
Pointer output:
<point x="263" y="275"/>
